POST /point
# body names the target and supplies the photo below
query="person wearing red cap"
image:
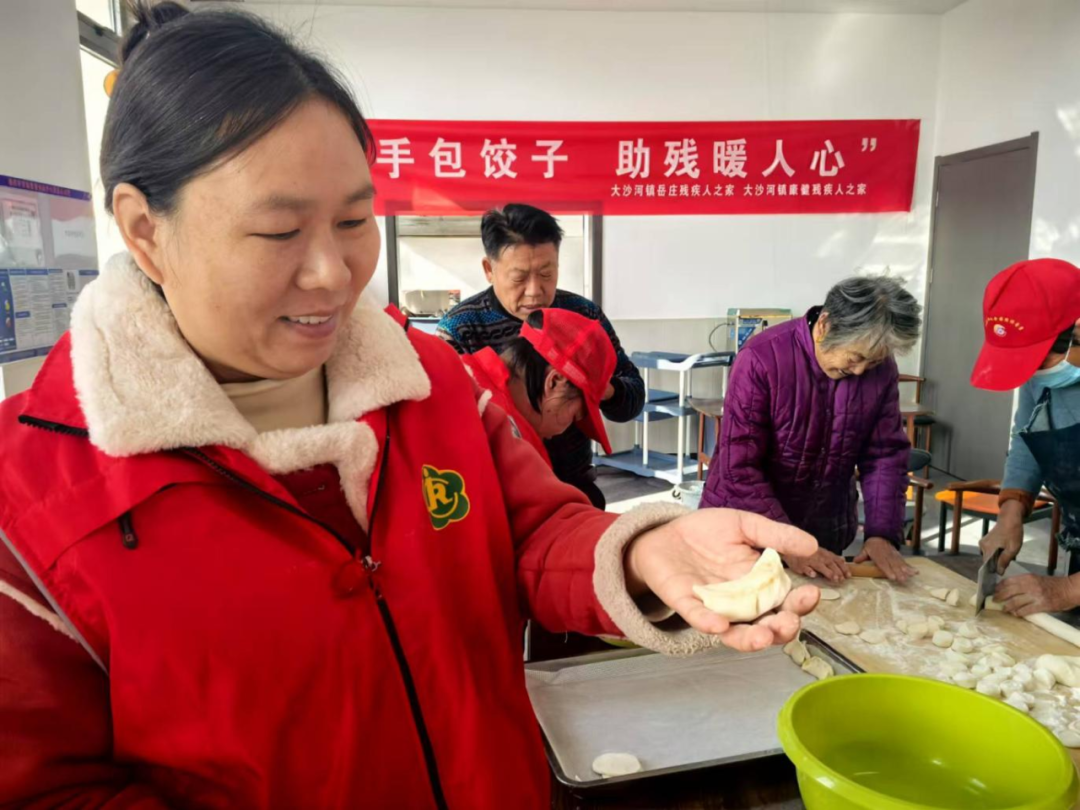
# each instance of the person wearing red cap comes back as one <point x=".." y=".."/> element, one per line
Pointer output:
<point x="1031" y="317"/>
<point x="521" y="261"/>
<point x="552" y="376"/>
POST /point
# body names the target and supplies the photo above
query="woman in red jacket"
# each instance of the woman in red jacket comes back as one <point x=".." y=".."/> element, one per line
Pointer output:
<point x="261" y="546"/>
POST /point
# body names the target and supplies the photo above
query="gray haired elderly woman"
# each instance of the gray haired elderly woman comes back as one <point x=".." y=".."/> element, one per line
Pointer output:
<point x="811" y="402"/>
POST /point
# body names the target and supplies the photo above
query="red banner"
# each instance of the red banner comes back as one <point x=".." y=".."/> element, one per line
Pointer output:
<point x="729" y="167"/>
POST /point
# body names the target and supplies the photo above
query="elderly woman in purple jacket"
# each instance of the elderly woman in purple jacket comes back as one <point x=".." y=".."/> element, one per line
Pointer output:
<point x="809" y="403"/>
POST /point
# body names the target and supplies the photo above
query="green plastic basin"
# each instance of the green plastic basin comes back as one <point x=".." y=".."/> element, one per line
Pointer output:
<point x="893" y="742"/>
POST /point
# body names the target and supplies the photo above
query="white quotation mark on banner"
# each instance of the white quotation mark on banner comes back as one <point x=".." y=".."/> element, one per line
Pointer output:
<point x="869" y="144"/>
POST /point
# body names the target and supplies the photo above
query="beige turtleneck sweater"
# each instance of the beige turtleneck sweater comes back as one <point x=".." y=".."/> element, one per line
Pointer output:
<point x="281" y="404"/>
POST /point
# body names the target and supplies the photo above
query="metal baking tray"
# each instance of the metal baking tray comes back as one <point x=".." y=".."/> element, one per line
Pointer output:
<point x="673" y="714"/>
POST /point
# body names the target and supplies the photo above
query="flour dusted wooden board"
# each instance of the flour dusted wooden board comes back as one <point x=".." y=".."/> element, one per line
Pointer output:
<point x="879" y="604"/>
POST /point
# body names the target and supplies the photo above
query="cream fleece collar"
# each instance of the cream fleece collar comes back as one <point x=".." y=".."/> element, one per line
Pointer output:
<point x="142" y="389"/>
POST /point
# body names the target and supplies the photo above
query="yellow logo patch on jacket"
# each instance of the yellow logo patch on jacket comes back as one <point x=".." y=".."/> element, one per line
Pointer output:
<point x="444" y="496"/>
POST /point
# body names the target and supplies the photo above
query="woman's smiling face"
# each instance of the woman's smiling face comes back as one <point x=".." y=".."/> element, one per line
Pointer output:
<point x="265" y="255"/>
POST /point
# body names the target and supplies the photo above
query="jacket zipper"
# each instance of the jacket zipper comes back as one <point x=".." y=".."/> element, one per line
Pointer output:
<point x="395" y="642"/>
<point x="127" y="531"/>
<point x="54" y="427"/>
<point x="370" y="565"/>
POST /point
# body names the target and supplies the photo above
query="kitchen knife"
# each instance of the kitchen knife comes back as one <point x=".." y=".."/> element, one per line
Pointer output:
<point x="988" y="580"/>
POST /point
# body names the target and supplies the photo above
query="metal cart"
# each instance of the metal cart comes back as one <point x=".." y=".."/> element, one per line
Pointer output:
<point x="662" y="405"/>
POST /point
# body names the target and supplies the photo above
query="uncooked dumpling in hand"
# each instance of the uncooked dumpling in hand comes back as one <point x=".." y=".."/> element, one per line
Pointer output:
<point x="762" y="589"/>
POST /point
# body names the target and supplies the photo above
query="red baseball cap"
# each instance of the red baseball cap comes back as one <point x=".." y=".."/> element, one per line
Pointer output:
<point x="1025" y="308"/>
<point x="578" y="348"/>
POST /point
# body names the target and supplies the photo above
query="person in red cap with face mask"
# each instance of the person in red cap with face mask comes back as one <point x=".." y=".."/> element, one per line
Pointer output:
<point x="552" y="376"/>
<point x="1031" y="314"/>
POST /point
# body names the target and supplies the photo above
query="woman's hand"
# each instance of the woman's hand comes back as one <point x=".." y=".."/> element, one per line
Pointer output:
<point x="1024" y="595"/>
<point x="821" y="562"/>
<point x="887" y="557"/>
<point x="716" y="545"/>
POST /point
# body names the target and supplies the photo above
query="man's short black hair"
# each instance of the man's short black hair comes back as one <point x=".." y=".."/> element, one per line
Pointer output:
<point x="518" y="224"/>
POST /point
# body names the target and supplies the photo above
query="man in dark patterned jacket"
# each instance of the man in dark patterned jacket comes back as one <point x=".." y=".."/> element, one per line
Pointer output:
<point x="521" y="244"/>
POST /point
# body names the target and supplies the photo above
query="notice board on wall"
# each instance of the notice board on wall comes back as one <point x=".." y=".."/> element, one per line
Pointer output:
<point x="48" y="254"/>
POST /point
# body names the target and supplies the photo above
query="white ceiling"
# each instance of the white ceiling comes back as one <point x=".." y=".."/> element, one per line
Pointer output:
<point x="813" y="6"/>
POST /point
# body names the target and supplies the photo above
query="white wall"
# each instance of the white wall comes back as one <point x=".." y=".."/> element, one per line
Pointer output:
<point x="522" y="65"/>
<point x="43" y="132"/>
<point x="456" y="262"/>
<point x="1008" y="68"/>
<point x="96" y="106"/>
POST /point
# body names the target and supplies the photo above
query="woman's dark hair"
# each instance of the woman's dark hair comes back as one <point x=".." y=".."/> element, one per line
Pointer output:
<point x="532" y="367"/>
<point x="197" y="88"/>
<point x="1063" y="341"/>
<point x="518" y="224"/>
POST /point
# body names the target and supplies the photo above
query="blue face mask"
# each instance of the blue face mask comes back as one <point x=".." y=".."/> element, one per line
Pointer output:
<point x="1061" y="375"/>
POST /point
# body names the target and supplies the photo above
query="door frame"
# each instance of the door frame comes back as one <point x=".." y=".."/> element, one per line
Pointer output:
<point x="1027" y="142"/>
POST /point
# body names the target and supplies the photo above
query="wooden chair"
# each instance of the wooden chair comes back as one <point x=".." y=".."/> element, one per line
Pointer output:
<point x="980" y="499"/>
<point x="926" y="423"/>
<point x="916" y="491"/>
<point x="917" y="459"/>
<point x="707" y="409"/>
